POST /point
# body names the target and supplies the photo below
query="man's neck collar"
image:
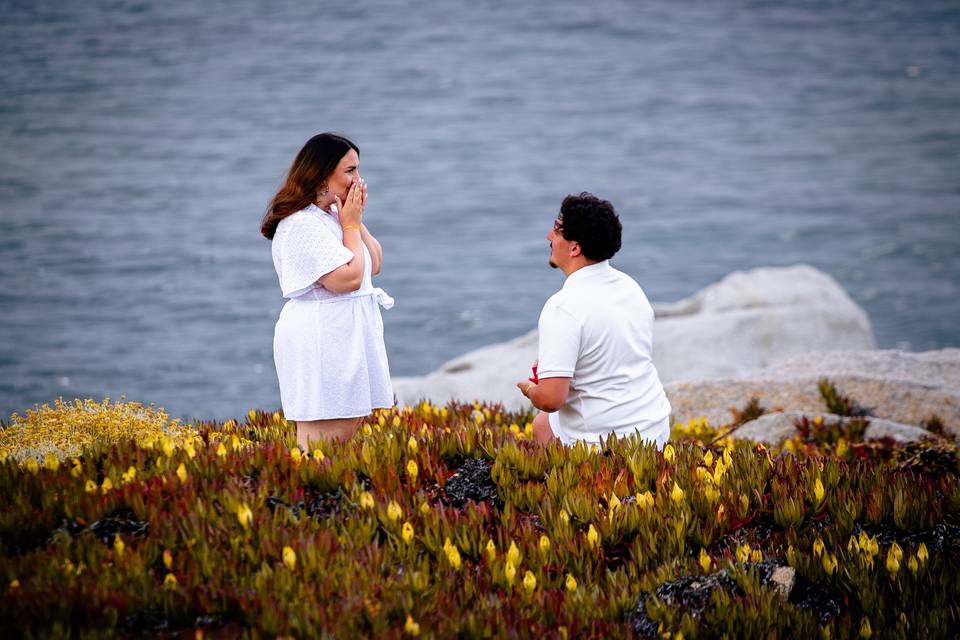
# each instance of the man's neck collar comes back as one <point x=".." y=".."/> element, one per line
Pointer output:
<point x="583" y="264"/>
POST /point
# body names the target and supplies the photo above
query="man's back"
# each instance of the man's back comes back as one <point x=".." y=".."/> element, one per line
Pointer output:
<point x="598" y="331"/>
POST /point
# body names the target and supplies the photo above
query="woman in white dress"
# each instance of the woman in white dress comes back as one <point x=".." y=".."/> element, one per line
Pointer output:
<point x="328" y="342"/>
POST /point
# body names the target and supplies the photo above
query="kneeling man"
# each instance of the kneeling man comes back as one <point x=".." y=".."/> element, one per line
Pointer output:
<point x="594" y="374"/>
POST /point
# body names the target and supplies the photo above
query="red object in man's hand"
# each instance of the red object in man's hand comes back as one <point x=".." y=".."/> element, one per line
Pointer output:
<point x="534" y="379"/>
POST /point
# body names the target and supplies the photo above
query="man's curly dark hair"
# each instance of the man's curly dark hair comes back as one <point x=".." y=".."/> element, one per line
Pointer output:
<point x="593" y="224"/>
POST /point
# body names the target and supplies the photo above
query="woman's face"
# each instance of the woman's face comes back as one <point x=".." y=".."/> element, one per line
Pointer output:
<point x="346" y="173"/>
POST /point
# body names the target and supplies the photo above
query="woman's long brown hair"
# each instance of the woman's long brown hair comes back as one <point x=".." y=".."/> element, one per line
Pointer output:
<point x="314" y="164"/>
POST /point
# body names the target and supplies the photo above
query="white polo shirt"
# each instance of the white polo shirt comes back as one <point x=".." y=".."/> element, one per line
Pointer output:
<point x="598" y="331"/>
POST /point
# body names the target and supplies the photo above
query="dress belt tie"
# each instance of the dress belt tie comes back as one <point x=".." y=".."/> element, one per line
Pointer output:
<point x="381" y="296"/>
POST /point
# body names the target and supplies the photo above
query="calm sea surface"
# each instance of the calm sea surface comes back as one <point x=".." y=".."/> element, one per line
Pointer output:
<point x="141" y="141"/>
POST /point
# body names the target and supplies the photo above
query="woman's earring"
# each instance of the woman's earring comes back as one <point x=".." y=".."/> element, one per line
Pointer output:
<point x="324" y="191"/>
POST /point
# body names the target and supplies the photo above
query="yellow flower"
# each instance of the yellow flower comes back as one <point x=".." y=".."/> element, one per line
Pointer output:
<point x="564" y="517"/>
<point x="396" y="421"/>
<point x="893" y="558"/>
<point x="76" y="470"/>
<point x="14" y="584"/>
<point x="743" y="552"/>
<point x="32" y="465"/>
<point x="407" y="532"/>
<point x="221" y="450"/>
<point x="668" y="453"/>
<point x="818" y="491"/>
<point x="510" y="572"/>
<point x="106" y="486"/>
<point x="818" y="547"/>
<point x="896" y="551"/>
<point x="118" y="545"/>
<point x="718" y="470"/>
<point x="708" y="458"/>
<point x="182" y="472"/>
<point x="129" y="475"/>
<point x="276" y="417"/>
<point x="644" y="499"/>
<point x="829" y="562"/>
<point x="394" y="512"/>
<point x="544" y="545"/>
<point x="412" y="470"/>
<point x="412" y="445"/>
<point x="424" y="508"/>
<point x="167" y="559"/>
<point x="491" y="550"/>
<point x="677" y="494"/>
<point x="922" y="555"/>
<point x="366" y="500"/>
<point x="244" y="515"/>
<point x="513" y="554"/>
<point x="290" y="558"/>
<point x="570" y="583"/>
<point x="757" y="555"/>
<point x="51" y="462"/>
<point x="913" y="565"/>
<point x="294" y="455"/>
<point x="411" y="627"/>
<point x="453" y="557"/>
<point x="865" y="630"/>
<point x="705" y="560"/>
<point x="529" y="581"/>
<point x="318" y="455"/>
<point x="593" y="537"/>
<point x="91" y="487"/>
<point x="711" y="494"/>
<point x="853" y="546"/>
<point x="170" y="582"/>
<point x="252" y="415"/>
<point x="841" y="448"/>
<point x="168" y="448"/>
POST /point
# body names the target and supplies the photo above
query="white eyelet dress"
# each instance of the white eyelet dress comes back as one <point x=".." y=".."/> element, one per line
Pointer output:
<point x="328" y="347"/>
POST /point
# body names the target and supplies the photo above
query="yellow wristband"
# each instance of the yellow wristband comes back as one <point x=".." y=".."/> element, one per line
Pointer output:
<point x="352" y="226"/>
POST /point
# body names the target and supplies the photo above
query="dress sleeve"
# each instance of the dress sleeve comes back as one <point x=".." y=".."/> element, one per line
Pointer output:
<point x="309" y="251"/>
<point x="559" y="343"/>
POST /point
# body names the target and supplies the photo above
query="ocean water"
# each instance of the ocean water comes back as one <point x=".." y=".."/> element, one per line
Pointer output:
<point x="141" y="141"/>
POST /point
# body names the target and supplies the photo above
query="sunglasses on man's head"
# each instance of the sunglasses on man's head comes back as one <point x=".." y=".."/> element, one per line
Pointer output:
<point x="558" y="224"/>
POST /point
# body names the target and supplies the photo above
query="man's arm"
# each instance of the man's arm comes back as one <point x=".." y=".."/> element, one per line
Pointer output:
<point x="549" y="394"/>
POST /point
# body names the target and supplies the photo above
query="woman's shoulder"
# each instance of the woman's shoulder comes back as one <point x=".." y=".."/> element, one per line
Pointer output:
<point x="303" y="218"/>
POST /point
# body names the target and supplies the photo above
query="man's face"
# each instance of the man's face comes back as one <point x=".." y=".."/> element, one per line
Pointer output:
<point x="559" y="247"/>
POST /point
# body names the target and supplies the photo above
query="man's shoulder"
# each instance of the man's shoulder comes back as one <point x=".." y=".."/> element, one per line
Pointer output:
<point x="565" y="300"/>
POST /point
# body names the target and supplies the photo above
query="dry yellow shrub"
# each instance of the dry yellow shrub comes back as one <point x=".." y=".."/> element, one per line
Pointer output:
<point x="67" y="427"/>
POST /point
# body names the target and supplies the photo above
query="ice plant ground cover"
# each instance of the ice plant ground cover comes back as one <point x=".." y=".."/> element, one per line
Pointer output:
<point x="450" y="522"/>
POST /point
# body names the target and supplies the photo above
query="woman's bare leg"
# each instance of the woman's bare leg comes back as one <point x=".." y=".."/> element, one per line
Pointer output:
<point x="315" y="430"/>
<point x="542" y="432"/>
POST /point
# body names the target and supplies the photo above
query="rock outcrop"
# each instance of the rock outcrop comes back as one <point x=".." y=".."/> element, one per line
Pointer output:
<point x="745" y="322"/>
<point x="896" y="386"/>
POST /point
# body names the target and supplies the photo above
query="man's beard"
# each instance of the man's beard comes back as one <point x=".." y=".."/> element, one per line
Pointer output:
<point x="552" y="264"/>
